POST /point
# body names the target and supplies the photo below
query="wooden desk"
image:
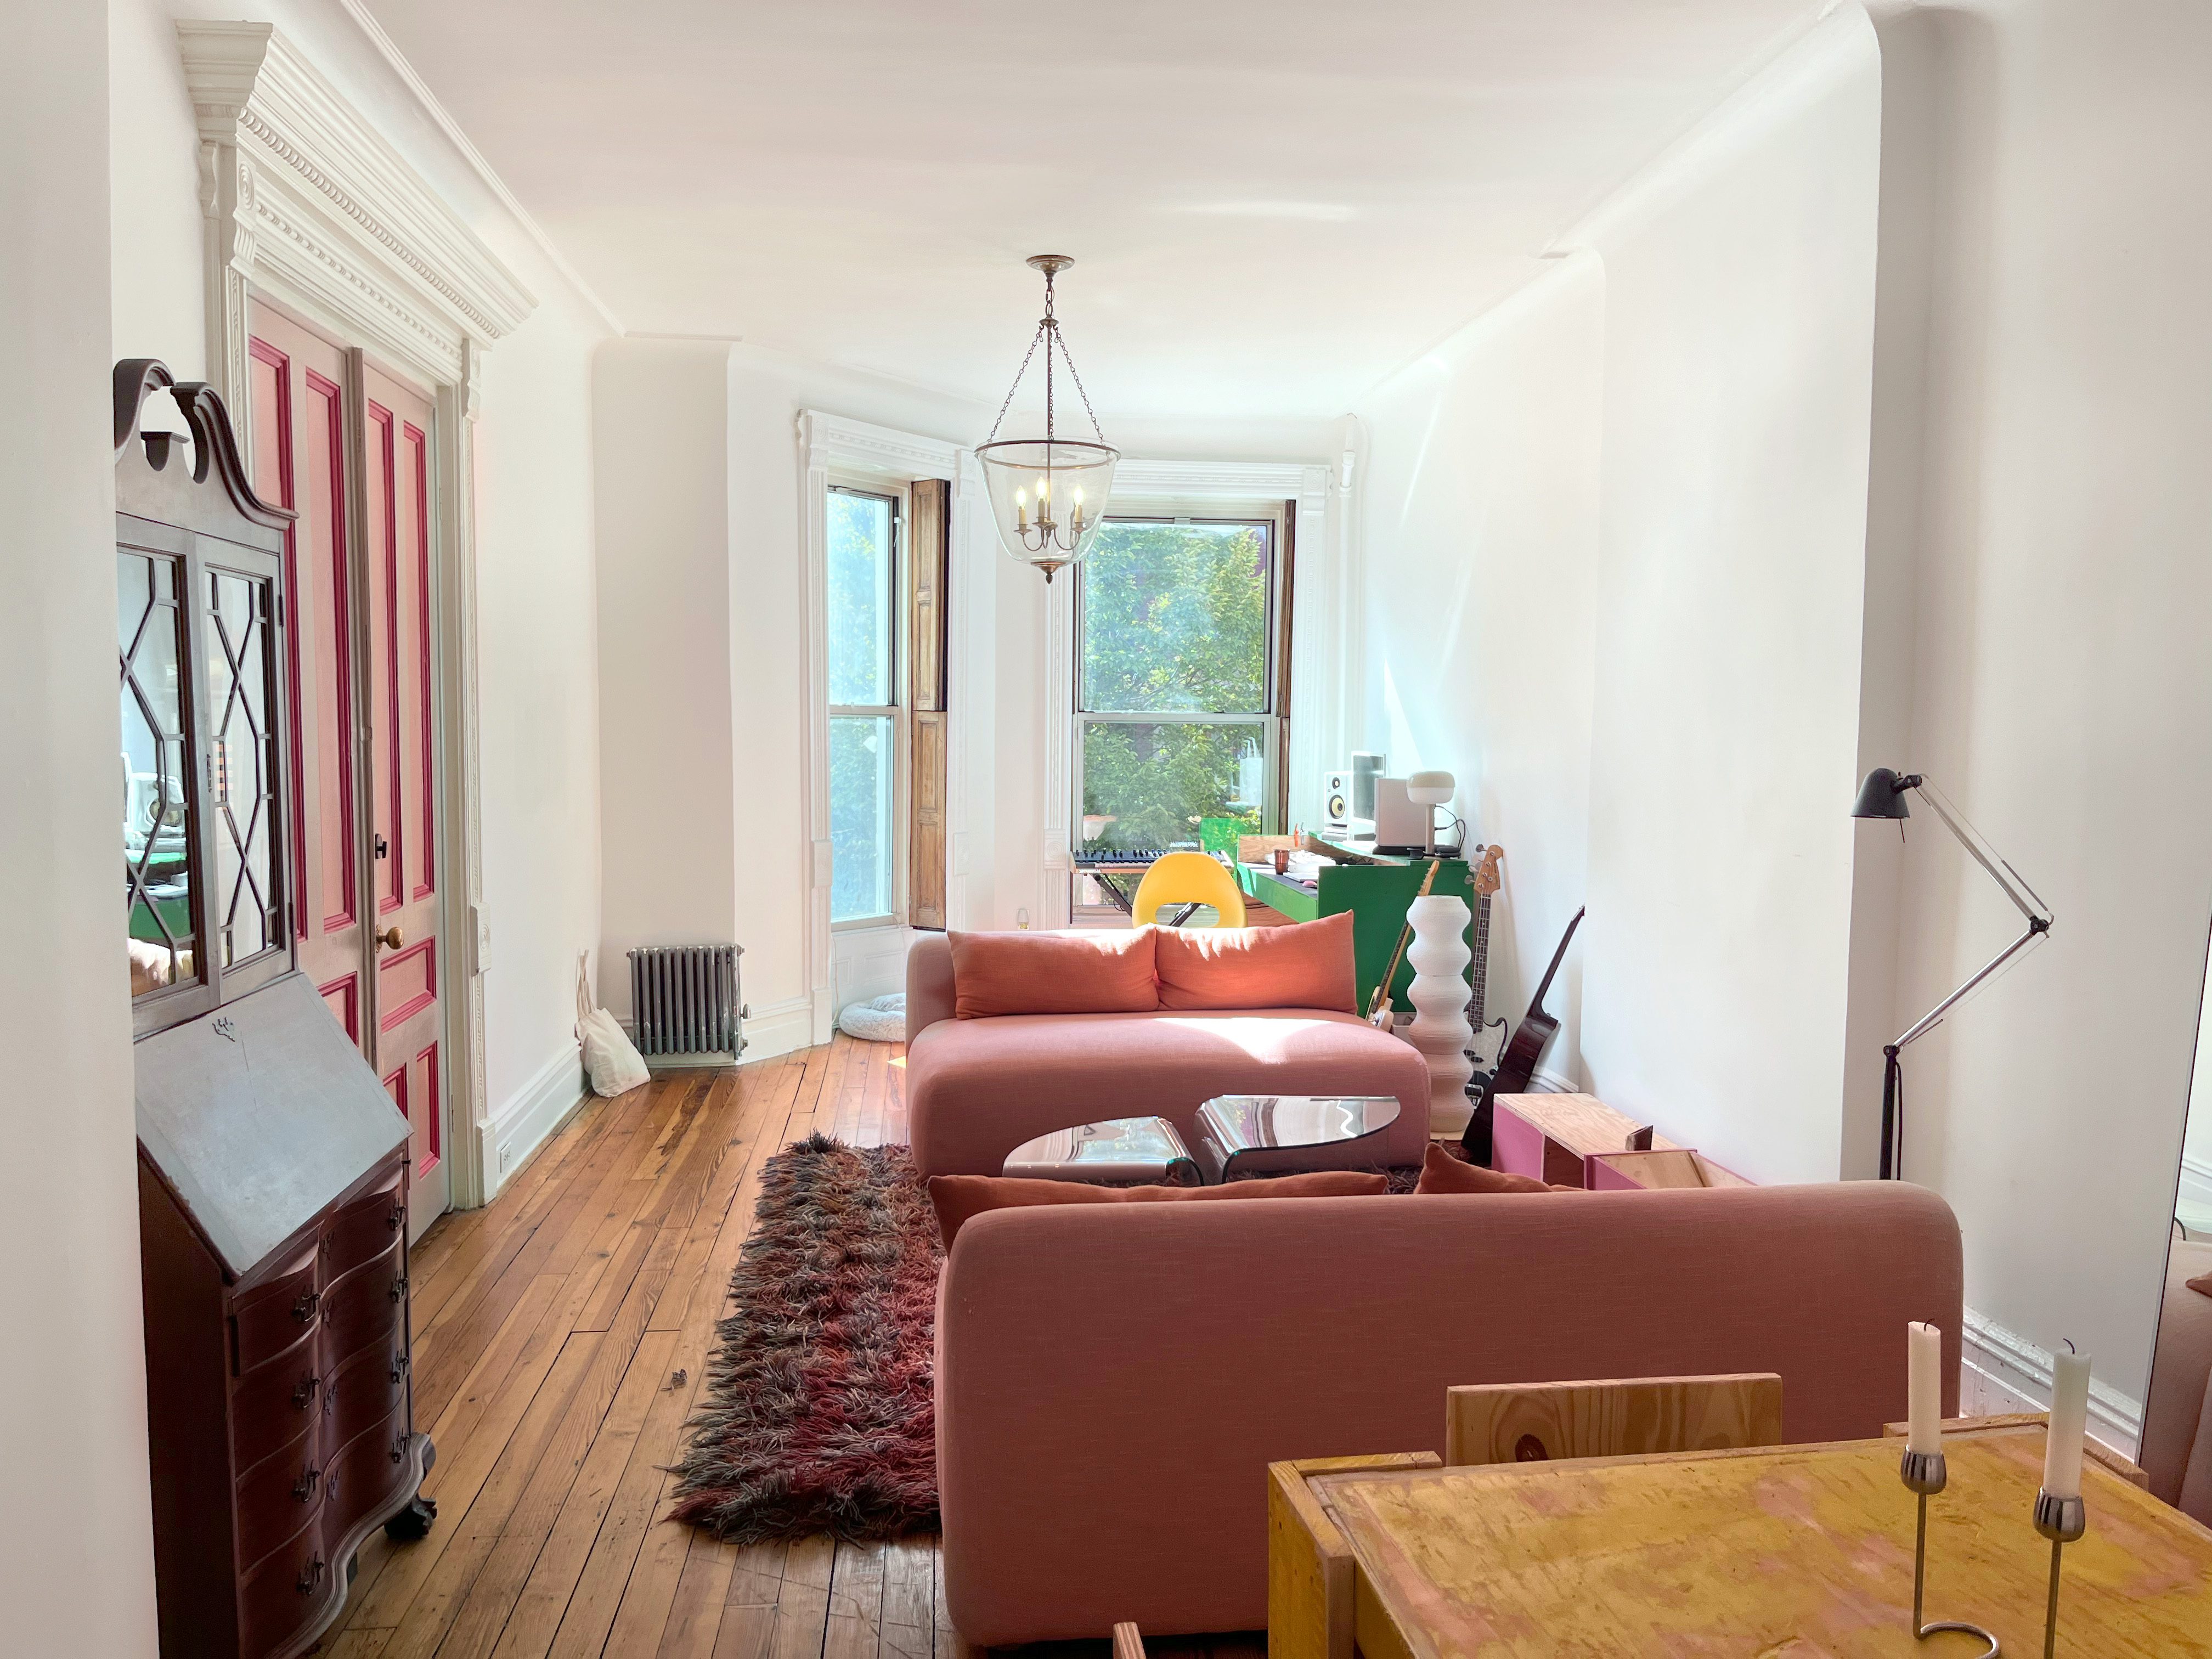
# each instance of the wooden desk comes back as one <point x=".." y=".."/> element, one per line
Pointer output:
<point x="1785" y="1552"/>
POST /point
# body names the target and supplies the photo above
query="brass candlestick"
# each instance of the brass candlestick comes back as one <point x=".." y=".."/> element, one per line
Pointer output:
<point x="1925" y="1473"/>
<point x="2061" y="1519"/>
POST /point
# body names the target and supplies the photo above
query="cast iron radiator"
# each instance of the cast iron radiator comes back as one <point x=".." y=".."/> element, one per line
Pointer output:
<point x="684" y="1000"/>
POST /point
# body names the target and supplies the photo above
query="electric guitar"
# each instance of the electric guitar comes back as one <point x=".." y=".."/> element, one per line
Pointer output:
<point x="1486" y="1048"/>
<point x="1518" y="1063"/>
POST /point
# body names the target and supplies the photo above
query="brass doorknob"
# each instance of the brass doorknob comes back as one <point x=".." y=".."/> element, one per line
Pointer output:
<point x="390" y="938"/>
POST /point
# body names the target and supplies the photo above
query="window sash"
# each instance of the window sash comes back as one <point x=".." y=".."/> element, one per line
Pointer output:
<point x="892" y="620"/>
<point x="1267" y="717"/>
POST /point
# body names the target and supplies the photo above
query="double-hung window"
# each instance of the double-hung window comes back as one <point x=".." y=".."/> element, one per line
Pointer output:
<point x="867" y="731"/>
<point x="1178" y="683"/>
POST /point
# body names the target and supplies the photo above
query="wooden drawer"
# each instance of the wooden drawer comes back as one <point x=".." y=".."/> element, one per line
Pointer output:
<point x="364" y="1305"/>
<point x="275" y="1400"/>
<point x="367" y="1388"/>
<point x="279" y="1496"/>
<point x="365" y="1474"/>
<point x="365" y="1228"/>
<point x="272" y="1316"/>
<point x="283" y="1593"/>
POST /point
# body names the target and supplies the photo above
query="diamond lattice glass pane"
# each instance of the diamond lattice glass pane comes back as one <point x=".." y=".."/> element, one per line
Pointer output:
<point x="1148" y="786"/>
<point x="156" y="823"/>
<point x="239" y="774"/>
<point x="862" y="796"/>
<point x="861" y="565"/>
<point x="1174" y="619"/>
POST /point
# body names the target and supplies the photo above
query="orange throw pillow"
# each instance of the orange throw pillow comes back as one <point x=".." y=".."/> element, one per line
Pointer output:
<point x="1101" y="973"/>
<point x="1306" y="964"/>
<point x="1442" y="1173"/>
<point x="960" y="1198"/>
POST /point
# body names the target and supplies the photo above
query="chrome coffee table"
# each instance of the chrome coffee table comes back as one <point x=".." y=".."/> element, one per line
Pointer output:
<point x="1231" y="1126"/>
<point x="1128" y="1149"/>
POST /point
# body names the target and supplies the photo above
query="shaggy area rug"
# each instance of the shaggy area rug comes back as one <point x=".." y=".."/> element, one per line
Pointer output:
<point x="819" y="1416"/>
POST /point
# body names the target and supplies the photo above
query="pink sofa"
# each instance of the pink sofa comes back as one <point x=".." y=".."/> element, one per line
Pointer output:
<point x="976" y="1089"/>
<point x="1113" y="1380"/>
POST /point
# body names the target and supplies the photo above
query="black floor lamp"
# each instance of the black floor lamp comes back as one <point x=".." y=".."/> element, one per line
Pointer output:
<point x="1882" y="796"/>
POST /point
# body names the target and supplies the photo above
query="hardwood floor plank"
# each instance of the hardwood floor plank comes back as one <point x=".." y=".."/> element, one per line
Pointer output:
<point x="609" y="1573"/>
<point x="559" y="1574"/>
<point x="426" y="1598"/>
<point x="746" y="1632"/>
<point x="757" y="1575"/>
<point x="359" y="1645"/>
<point x="693" y="1618"/>
<point x="909" y="1571"/>
<point x="802" y="1605"/>
<point x="853" y="1628"/>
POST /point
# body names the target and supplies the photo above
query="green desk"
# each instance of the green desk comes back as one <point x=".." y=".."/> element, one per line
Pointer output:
<point x="1377" y="895"/>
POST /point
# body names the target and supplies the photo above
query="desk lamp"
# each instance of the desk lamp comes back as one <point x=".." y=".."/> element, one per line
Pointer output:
<point x="1882" y="796"/>
<point x="1430" y="790"/>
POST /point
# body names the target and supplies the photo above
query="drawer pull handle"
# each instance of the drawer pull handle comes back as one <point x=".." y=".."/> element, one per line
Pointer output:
<point x="304" y="1487"/>
<point x="304" y="1395"/>
<point x="304" y="1310"/>
<point x="330" y="1399"/>
<point x="399" y="1446"/>
<point x="399" y="1288"/>
<point x="311" y="1575"/>
<point x="400" y="1364"/>
<point x="397" y="1218"/>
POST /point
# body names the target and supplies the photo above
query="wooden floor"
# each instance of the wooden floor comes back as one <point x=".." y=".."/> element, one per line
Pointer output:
<point x="560" y="1337"/>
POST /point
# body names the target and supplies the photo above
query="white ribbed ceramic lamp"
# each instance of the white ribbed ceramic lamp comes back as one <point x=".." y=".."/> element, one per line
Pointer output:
<point x="1439" y="955"/>
<point x="1430" y="790"/>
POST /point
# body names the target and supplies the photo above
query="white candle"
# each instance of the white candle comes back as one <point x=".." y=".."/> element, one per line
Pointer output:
<point x="1924" y="1388"/>
<point x="2069" y="1422"/>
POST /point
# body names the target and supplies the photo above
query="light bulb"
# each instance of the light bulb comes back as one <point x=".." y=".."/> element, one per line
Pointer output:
<point x="1021" y="498"/>
<point x="1078" y="495"/>
<point x="1044" y="488"/>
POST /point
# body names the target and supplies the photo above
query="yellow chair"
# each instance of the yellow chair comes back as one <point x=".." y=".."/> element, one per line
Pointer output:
<point x="1187" y="878"/>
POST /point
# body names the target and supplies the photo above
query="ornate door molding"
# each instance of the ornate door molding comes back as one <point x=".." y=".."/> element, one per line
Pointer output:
<point x="306" y="202"/>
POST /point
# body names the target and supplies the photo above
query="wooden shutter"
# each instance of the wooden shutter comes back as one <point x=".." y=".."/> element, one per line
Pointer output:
<point x="926" y="568"/>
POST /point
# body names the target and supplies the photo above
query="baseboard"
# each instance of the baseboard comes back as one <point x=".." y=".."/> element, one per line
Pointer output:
<point x="778" y="1028"/>
<point x="2192" y="1206"/>
<point x="1543" y="1082"/>
<point x="2000" y="1370"/>
<point x="539" y="1108"/>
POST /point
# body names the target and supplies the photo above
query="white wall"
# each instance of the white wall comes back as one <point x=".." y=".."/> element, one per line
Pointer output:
<point x="703" y="686"/>
<point x="1481" y="533"/>
<point x="76" y="1570"/>
<point x="536" y="582"/>
<point x="1739" y="322"/>
<point x="2062" y="595"/>
<point x="1614" y="555"/>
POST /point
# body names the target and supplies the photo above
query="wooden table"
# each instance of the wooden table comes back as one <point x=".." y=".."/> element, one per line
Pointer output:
<point x="1786" y="1552"/>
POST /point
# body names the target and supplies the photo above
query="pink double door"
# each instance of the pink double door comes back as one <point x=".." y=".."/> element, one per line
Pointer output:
<point x="349" y="447"/>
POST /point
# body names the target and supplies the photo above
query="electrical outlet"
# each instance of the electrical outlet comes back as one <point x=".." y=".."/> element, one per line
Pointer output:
<point x="505" y="1151"/>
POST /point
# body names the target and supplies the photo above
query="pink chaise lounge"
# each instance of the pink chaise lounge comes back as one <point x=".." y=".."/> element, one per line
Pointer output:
<point x="1113" y="1380"/>
<point x="976" y="1089"/>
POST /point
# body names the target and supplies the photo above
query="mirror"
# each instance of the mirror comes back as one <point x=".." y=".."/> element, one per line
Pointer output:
<point x="2176" y="1437"/>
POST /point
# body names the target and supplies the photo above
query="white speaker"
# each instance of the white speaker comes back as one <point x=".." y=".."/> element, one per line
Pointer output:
<point x="1336" y="801"/>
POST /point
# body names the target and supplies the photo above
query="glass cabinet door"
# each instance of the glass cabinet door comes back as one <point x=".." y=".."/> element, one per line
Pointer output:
<point x="158" y="838"/>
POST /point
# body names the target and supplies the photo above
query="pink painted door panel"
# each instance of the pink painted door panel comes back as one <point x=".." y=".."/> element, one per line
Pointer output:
<point x="410" y="1017"/>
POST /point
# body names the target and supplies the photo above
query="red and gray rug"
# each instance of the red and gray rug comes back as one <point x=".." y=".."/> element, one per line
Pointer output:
<point x="819" y="1415"/>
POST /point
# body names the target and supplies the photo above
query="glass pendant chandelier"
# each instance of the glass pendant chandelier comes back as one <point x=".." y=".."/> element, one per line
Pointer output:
<point x="1048" y="494"/>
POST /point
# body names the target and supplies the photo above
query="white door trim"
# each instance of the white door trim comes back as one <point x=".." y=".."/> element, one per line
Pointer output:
<point x="305" y="201"/>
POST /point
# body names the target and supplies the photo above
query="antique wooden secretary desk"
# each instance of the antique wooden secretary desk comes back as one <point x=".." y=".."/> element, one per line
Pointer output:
<point x="273" y="1167"/>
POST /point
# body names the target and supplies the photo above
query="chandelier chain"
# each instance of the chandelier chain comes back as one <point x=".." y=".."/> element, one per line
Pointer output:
<point x="1048" y="325"/>
<point x="1019" y="374"/>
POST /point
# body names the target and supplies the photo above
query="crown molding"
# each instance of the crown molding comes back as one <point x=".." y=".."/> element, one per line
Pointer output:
<point x="302" y="196"/>
<point x="1222" y="481"/>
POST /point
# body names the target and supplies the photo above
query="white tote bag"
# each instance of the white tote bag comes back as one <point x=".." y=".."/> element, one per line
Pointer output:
<point x="610" y="1059"/>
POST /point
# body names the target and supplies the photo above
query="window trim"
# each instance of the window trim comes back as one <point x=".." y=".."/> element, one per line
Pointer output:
<point x="1269" y="718"/>
<point x="899" y="495"/>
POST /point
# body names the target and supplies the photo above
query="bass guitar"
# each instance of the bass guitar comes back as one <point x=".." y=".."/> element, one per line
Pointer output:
<point x="1486" y="1046"/>
<point x="1518" y="1063"/>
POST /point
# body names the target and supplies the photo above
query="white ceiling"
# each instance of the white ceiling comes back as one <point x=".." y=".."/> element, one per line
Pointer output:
<point x="1272" y="203"/>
